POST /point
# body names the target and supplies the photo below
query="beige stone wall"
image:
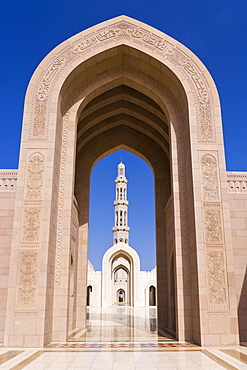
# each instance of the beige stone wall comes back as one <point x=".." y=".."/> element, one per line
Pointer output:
<point x="237" y="182"/>
<point x="7" y="203"/>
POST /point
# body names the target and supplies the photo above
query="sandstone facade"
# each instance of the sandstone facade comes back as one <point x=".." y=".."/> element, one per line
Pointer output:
<point x="123" y="85"/>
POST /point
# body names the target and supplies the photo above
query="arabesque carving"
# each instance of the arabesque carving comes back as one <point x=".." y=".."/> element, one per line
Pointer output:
<point x="137" y="35"/>
<point x="35" y="177"/>
<point x="213" y="227"/>
<point x="31" y="224"/>
<point x="27" y="278"/>
<point x="39" y="118"/>
<point x="210" y="183"/>
<point x="216" y="278"/>
<point x="40" y="110"/>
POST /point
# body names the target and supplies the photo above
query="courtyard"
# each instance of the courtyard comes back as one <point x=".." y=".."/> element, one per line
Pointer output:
<point x="123" y="338"/>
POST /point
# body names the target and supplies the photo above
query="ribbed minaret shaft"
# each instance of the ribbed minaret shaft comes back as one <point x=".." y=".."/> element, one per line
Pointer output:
<point x="121" y="229"/>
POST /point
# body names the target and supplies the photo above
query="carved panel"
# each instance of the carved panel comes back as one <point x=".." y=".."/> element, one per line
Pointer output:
<point x="39" y="118"/>
<point x="39" y="128"/>
<point x="213" y="226"/>
<point x="31" y="224"/>
<point x="210" y="185"/>
<point x="27" y="278"/>
<point x="49" y="74"/>
<point x="35" y="177"/>
<point x="217" y="297"/>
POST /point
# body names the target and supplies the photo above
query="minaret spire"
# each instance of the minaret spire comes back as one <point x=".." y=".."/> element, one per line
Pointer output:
<point x="121" y="229"/>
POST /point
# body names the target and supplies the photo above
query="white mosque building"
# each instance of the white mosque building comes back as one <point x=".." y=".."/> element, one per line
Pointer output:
<point x="121" y="282"/>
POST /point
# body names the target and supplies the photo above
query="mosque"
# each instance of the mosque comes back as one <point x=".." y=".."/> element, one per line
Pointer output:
<point x="122" y="85"/>
<point x="121" y="282"/>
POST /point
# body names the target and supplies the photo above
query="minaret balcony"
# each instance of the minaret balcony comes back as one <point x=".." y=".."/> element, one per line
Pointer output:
<point x="121" y="202"/>
<point x="121" y="228"/>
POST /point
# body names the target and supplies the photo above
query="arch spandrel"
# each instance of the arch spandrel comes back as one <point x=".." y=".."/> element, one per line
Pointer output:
<point x="124" y="31"/>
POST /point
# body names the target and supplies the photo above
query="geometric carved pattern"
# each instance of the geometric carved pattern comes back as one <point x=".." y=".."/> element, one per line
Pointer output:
<point x="209" y="178"/>
<point x="35" y="177"/>
<point x="31" y="224"/>
<point x="213" y="227"/>
<point x="216" y="279"/>
<point x="27" y="277"/>
<point x="61" y="200"/>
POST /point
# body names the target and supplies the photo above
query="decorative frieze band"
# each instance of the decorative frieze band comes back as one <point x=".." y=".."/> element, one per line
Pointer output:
<point x="237" y="182"/>
<point x="8" y="179"/>
<point x="136" y="35"/>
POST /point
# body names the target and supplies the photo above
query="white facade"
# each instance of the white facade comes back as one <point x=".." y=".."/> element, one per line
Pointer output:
<point x="121" y="281"/>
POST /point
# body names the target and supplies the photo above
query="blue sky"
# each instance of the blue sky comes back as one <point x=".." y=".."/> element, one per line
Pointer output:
<point x="215" y="30"/>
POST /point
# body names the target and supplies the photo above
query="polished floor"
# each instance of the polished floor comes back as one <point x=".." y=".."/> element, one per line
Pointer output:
<point x="123" y="338"/>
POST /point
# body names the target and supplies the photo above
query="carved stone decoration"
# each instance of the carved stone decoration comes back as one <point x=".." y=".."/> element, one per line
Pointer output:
<point x="213" y="227"/>
<point x="61" y="200"/>
<point x="210" y="183"/>
<point x="35" y="177"/>
<point x="27" y="278"/>
<point x="31" y="224"/>
<point x="136" y="35"/>
<point x="47" y="78"/>
<point x="205" y="132"/>
<point x="39" y="125"/>
<point x="216" y="279"/>
<point x="39" y="119"/>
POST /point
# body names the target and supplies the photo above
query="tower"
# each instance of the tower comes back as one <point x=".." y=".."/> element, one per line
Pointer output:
<point x="121" y="229"/>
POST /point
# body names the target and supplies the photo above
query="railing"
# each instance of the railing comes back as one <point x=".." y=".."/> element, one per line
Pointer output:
<point x="8" y="180"/>
<point x="237" y="182"/>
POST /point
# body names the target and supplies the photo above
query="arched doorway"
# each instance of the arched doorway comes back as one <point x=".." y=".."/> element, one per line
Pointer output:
<point x="89" y="291"/>
<point x="122" y="86"/>
<point x="121" y="296"/>
<point x="152" y="296"/>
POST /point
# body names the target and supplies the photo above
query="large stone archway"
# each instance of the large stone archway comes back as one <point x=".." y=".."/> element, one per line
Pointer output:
<point x="121" y="84"/>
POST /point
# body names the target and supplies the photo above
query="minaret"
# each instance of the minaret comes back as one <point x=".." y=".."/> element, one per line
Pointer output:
<point x="121" y="229"/>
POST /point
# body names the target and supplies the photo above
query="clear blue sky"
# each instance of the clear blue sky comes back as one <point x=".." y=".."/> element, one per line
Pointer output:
<point x="215" y="30"/>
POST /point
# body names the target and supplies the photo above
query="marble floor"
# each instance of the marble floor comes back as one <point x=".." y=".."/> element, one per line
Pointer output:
<point x="123" y="338"/>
